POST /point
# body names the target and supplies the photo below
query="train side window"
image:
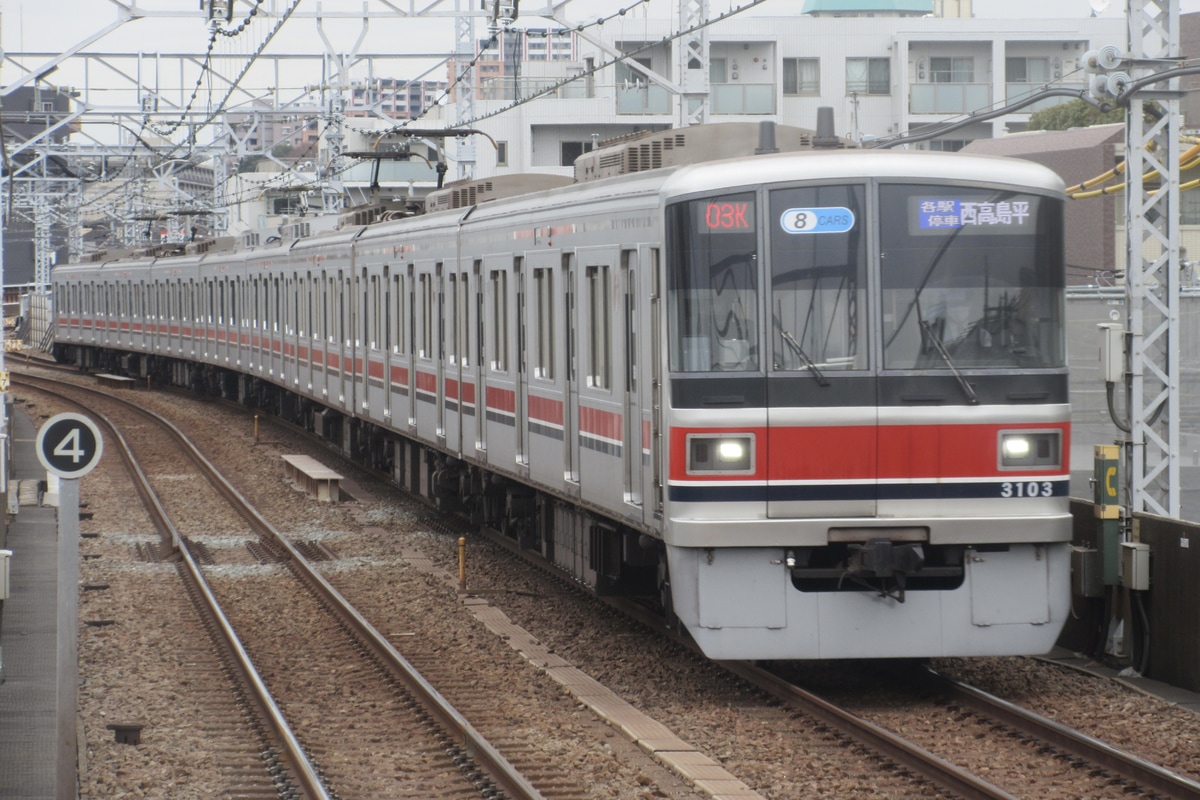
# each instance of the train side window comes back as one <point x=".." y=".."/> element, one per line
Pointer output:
<point x="712" y="274"/>
<point x="543" y="354"/>
<point x="599" y="345"/>
<point x="499" y="282"/>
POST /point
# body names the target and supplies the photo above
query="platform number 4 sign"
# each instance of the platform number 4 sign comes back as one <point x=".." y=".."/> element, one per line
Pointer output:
<point x="69" y="445"/>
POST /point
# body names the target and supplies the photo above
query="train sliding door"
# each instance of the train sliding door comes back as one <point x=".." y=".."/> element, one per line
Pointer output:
<point x="632" y="414"/>
<point x="545" y="377"/>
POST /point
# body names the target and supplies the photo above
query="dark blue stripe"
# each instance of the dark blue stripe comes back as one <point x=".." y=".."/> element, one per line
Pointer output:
<point x="546" y="430"/>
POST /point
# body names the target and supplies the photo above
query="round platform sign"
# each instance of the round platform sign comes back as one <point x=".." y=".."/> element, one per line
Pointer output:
<point x="69" y="445"/>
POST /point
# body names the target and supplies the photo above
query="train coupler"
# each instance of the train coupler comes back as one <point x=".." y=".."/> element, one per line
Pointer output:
<point x="886" y="561"/>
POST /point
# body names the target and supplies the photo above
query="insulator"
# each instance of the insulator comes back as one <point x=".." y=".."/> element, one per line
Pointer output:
<point x="1098" y="87"/>
<point x="1117" y="83"/>
<point x="1106" y="58"/>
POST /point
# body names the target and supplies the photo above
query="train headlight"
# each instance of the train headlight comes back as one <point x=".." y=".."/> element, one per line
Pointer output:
<point x="1030" y="449"/>
<point x="720" y="454"/>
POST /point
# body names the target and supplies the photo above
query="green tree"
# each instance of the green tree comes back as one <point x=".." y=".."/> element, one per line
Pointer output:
<point x="1075" y="114"/>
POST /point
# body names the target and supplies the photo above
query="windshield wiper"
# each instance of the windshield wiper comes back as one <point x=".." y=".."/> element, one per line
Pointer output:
<point x="972" y="398"/>
<point x="808" y="362"/>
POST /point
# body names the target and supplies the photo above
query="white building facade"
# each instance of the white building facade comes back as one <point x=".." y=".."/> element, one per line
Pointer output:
<point x="882" y="75"/>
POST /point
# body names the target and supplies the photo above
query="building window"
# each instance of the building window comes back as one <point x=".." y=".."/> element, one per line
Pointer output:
<point x="869" y="75"/>
<point x="718" y="71"/>
<point x="1189" y="214"/>
<point x="501" y="154"/>
<point x="952" y="70"/>
<point x="947" y="145"/>
<point x="801" y="76"/>
<point x="573" y="150"/>
<point x="1026" y="70"/>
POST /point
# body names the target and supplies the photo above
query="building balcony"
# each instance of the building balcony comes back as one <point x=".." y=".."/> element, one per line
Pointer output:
<point x="948" y="98"/>
<point x="723" y="98"/>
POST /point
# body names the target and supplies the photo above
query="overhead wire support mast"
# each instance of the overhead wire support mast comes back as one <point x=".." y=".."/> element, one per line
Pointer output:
<point x="1153" y="264"/>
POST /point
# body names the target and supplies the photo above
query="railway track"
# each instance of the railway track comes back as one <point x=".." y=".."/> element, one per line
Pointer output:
<point x="371" y="725"/>
<point x="1069" y="758"/>
<point x="1103" y="772"/>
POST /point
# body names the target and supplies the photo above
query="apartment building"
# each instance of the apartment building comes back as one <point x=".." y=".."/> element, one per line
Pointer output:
<point x="886" y="67"/>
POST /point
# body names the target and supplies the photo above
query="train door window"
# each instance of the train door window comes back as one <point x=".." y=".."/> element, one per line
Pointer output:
<point x="324" y="306"/>
<point x="385" y="310"/>
<point x="316" y="306"/>
<point x="518" y="276"/>
<point x="347" y="295"/>
<point x="397" y="311"/>
<point x="411" y="295"/>
<point x="293" y="300"/>
<point x="376" y="320"/>
<point x="453" y="311"/>
<point x="568" y="271"/>
<point x="543" y="346"/>
<point x="425" y="346"/>
<point x="818" y="278"/>
<point x="629" y="270"/>
<point x="464" y="321"/>
<point x="277" y="301"/>
<point x="340" y="288"/>
<point x="599" y="344"/>
<point x="480" y="313"/>
<point x="499" y="337"/>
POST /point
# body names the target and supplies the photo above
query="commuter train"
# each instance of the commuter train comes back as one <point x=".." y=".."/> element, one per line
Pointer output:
<point x="812" y="401"/>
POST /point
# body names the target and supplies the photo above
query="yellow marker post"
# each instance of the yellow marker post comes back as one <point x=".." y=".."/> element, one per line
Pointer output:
<point x="1107" y="497"/>
<point x="462" y="563"/>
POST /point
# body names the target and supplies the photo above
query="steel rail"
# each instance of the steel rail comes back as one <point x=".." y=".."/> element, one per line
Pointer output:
<point x="505" y="776"/>
<point x="1162" y="781"/>
<point x="294" y="758"/>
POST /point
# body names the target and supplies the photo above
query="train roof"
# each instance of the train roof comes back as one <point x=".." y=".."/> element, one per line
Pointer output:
<point x="861" y="164"/>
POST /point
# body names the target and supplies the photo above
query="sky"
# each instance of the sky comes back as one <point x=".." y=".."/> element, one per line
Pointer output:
<point x="45" y="25"/>
<point x="53" y="26"/>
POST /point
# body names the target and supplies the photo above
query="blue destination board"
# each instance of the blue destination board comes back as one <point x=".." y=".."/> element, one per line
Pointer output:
<point x="951" y="213"/>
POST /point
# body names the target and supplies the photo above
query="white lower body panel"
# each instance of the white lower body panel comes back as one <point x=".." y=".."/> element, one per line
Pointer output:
<point x="739" y="603"/>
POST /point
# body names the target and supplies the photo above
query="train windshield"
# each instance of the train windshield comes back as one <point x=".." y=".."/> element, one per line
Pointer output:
<point x="818" y="278"/>
<point x="713" y="284"/>
<point x="970" y="278"/>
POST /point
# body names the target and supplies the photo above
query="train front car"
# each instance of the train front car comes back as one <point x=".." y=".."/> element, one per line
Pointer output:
<point x="867" y="406"/>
